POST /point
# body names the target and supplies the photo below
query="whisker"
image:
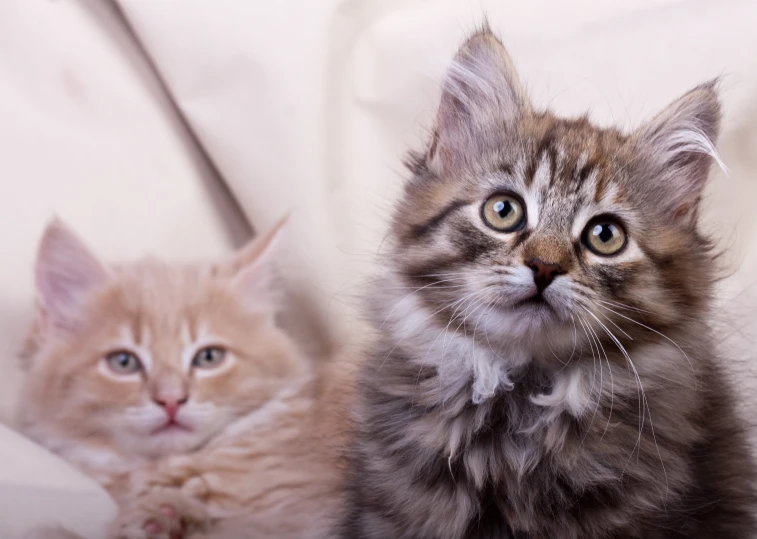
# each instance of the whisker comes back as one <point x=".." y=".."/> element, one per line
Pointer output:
<point x="478" y="320"/>
<point x="448" y="306"/>
<point x="419" y="323"/>
<point x="624" y="306"/>
<point x="575" y="344"/>
<point x="473" y="300"/>
<point x="639" y="386"/>
<point x="657" y="332"/>
<point x="645" y="401"/>
<point x="612" y="382"/>
<point x="585" y="325"/>
<point x="431" y="346"/>
<point x="447" y="274"/>
<point x="483" y="311"/>
<point x="488" y="342"/>
<point x="472" y="304"/>
<point x="406" y="297"/>
<point x="452" y="318"/>
<point x="615" y="325"/>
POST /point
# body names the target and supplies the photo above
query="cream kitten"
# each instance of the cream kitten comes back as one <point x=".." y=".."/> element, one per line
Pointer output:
<point x="173" y="386"/>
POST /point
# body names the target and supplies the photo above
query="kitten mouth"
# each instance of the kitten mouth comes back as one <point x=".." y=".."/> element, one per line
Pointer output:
<point x="535" y="301"/>
<point x="171" y="426"/>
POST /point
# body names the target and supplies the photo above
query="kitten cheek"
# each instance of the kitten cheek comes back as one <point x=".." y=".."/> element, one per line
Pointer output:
<point x="205" y="421"/>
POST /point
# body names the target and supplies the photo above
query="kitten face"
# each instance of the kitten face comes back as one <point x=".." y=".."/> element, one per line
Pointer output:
<point x="529" y="230"/>
<point x="153" y="358"/>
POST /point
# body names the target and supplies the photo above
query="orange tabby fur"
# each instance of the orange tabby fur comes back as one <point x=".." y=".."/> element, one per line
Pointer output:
<point x="259" y="450"/>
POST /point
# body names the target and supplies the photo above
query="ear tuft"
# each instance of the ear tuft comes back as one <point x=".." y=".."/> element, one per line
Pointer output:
<point x="677" y="148"/>
<point x="66" y="274"/>
<point x="480" y="93"/>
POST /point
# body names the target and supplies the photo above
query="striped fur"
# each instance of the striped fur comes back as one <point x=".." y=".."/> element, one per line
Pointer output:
<point x="601" y="413"/>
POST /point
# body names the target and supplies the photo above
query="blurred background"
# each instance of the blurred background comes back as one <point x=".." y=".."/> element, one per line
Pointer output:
<point x="178" y="127"/>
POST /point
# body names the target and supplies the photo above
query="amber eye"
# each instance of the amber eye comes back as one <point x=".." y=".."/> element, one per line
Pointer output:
<point x="209" y="358"/>
<point x="123" y="362"/>
<point x="604" y="236"/>
<point x="504" y="213"/>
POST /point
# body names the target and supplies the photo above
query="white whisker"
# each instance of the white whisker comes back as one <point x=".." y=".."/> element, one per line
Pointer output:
<point x="654" y="331"/>
<point x="587" y="328"/>
<point x="405" y="298"/>
<point x="612" y="382"/>
<point x="418" y="324"/>
<point x="644" y="397"/>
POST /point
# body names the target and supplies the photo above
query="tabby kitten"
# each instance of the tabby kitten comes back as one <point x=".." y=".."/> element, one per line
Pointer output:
<point x="173" y="386"/>
<point x="551" y="374"/>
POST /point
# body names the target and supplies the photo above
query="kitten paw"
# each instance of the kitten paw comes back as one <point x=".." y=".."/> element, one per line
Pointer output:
<point x="164" y="514"/>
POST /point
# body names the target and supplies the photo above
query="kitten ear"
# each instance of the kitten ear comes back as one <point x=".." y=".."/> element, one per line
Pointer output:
<point x="677" y="148"/>
<point x="480" y="94"/>
<point x="254" y="270"/>
<point x="66" y="273"/>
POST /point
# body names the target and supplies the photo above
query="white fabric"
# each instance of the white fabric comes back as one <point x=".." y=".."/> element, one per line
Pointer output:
<point x="311" y="105"/>
<point x="37" y="487"/>
<point x="86" y="133"/>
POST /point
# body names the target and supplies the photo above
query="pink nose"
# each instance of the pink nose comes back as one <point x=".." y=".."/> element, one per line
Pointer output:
<point x="171" y="406"/>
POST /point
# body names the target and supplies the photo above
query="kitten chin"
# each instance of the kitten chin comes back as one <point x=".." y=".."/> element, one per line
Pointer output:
<point x="549" y="371"/>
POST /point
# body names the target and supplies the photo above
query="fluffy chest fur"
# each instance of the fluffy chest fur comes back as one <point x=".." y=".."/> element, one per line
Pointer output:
<point x="572" y="453"/>
<point x="538" y="456"/>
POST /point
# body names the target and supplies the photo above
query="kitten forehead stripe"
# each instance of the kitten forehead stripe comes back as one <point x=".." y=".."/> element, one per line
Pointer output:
<point x="419" y="231"/>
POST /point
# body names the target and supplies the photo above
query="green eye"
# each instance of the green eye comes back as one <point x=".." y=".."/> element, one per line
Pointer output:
<point x="209" y="358"/>
<point x="604" y="236"/>
<point x="123" y="362"/>
<point x="504" y="213"/>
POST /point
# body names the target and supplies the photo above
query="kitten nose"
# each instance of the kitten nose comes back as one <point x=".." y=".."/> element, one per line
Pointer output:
<point x="171" y="406"/>
<point x="544" y="272"/>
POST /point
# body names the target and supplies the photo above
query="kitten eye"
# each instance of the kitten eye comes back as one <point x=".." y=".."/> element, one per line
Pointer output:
<point x="123" y="362"/>
<point x="604" y="236"/>
<point x="503" y="213"/>
<point x="209" y="358"/>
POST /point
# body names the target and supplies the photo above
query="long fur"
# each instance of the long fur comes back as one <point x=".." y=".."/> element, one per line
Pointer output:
<point x="259" y="453"/>
<point x="603" y="411"/>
